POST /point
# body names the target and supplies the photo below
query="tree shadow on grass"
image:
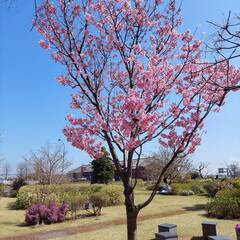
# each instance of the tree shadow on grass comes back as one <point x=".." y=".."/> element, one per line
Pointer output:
<point x="197" y="238"/>
<point x="13" y="206"/>
<point x="23" y="224"/>
<point x="193" y="238"/>
<point x="196" y="207"/>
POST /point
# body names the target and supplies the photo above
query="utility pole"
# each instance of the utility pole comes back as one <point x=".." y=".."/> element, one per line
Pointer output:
<point x="64" y="149"/>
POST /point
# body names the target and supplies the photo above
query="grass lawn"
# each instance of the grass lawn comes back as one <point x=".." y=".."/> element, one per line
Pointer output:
<point x="186" y="212"/>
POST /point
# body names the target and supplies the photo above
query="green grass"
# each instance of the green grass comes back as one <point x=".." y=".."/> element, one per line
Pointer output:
<point x="186" y="212"/>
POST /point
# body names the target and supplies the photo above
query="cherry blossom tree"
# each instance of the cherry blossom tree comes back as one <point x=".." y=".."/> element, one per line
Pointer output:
<point x="135" y="78"/>
<point x="226" y="39"/>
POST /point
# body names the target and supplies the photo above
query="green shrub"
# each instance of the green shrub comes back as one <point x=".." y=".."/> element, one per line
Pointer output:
<point x="149" y="186"/>
<point x="187" y="193"/>
<point x="40" y="194"/>
<point x="236" y="183"/>
<point x="77" y="203"/>
<point x="177" y="188"/>
<point x="224" y="207"/>
<point x="225" y="184"/>
<point x="1" y="190"/>
<point x="44" y="194"/>
<point x="197" y="188"/>
<point x="211" y="188"/>
<point x="114" y="194"/>
<point x="98" y="200"/>
<point x="228" y="193"/>
<point x="17" y="184"/>
<point x="225" y="204"/>
<point x="141" y="184"/>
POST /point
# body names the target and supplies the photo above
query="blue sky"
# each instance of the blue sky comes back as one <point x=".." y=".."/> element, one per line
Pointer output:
<point x="33" y="106"/>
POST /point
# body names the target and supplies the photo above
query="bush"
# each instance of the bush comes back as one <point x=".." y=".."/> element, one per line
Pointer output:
<point x="225" y="204"/>
<point x="197" y="189"/>
<point x="6" y="190"/>
<point x="150" y="186"/>
<point x="114" y="195"/>
<point x="236" y="183"/>
<point x="194" y="186"/>
<point x="187" y="193"/>
<point x="17" y="184"/>
<point x="40" y="213"/>
<point x="224" y="207"/>
<point x="36" y="214"/>
<point x="228" y="193"/>
<point x="1" y="190"/>
<point x="70" y="193"/>
<point x="211" y="188"/>
<point x="77" y="203"/>
<point x="194" y="175"/>
<point x="98" y="200"/>
<point x="56" y="213"/>
<point x="141" y="184"/>
<point x="30" y="195"/>
<point x="178" y="187"/>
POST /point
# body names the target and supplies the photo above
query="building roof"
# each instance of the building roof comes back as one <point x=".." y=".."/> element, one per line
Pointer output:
<point x="82" y="169"/>
<point x="88" y="168"/>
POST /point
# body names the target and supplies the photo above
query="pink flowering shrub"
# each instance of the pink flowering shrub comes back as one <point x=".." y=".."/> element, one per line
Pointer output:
<point x="63" y="209"/>
<point x="36" y="214"/>
<point x="40" y="213"/>
<point x="238" y="227"/>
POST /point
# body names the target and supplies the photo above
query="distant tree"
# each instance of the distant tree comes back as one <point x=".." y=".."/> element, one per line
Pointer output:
<point x="202" y="169"/>
<point x="1" y="163"/>
<point x="103" y="169"/>
<point x="194" y="174"/>
<point x="17" y="184"/>
<point x="49" y="164"/>
<point x="156" y="162"/>
<point x="233" y="169"/>
<point x="1" y="157"/>
<point x="6" y="170"/>
<point x="24" y="170"/>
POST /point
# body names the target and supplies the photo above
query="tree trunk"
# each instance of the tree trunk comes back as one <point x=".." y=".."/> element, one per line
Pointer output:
<point x="132" y="214"/>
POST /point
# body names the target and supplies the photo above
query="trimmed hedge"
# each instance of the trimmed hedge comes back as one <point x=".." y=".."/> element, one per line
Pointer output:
<point x="185" y="188"/>
<point x="70" y="193"/>
<point x="189" y="188"/>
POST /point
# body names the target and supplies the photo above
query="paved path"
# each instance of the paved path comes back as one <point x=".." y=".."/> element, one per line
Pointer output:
<point x="86" y="228"/>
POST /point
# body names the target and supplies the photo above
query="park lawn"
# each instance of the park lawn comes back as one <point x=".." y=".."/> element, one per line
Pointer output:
<point x="189" y="225"/>
<point x="187" y="212"/>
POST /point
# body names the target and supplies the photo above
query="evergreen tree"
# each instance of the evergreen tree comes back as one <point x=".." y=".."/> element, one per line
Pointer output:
<point x="103" y="169"/>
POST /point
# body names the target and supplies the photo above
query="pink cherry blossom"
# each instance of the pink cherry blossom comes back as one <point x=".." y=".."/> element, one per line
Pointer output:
<point x="134" y="75"/>
<point x="62" y="80"/>
<point x="44" y="44"/>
